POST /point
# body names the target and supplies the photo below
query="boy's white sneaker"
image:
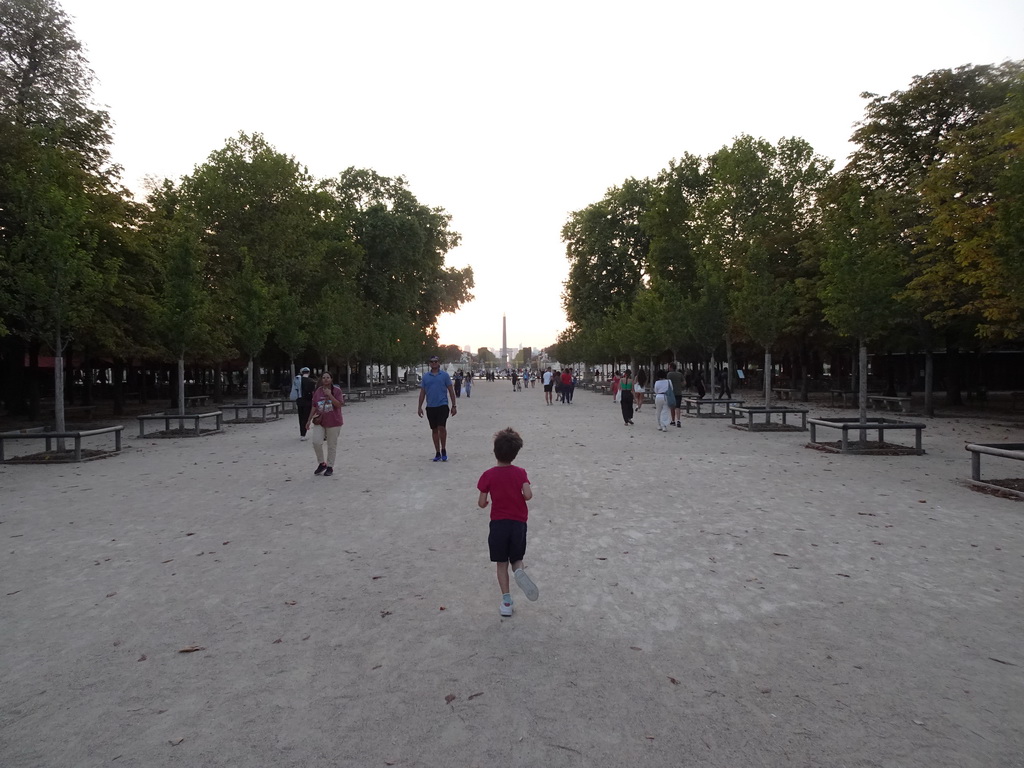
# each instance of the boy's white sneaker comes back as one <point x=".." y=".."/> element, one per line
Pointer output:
<point x="526" y="584"/>
<point x="505" y="609"/>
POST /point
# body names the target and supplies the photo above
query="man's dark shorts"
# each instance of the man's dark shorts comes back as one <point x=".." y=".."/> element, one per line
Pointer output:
<point x="437" y="416"/>
<point x="507" y="541"/>
<point x="547" y="387"/>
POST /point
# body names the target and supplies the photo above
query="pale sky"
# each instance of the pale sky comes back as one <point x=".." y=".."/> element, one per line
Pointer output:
<point x="510" y="115"/>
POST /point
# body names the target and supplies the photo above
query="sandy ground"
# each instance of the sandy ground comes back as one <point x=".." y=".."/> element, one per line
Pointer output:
<point x="708" y="597"/>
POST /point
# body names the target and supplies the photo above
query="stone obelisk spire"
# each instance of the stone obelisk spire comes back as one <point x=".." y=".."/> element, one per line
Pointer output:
<point x="504" y="342"/>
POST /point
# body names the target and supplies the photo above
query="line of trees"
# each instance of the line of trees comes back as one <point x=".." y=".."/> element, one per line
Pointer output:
<point x="917" y="244"/>
<point x="248" y="255"/>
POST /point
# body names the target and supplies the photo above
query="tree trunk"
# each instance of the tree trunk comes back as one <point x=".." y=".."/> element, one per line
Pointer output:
<point x="181" y="391"/>
<point x="58" y="388"/>
<point x="117" y="386"/>
<point x="728" y="363"/>
<point x="929" y="382"/>
<point x="249" y="374"/>
<point x="767" y="377"/>
<point x="863" y="399"/>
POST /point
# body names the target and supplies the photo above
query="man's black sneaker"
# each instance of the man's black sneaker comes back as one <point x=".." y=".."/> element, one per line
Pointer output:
<point x="320" y="469"/>
<point x="329" y="471"/>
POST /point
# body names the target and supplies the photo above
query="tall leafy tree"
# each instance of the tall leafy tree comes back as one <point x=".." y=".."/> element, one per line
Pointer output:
<point x="863" y="270"/>
<point x="607" y="248"/>
<point x="905" y="139"/>
<point x="46" y="82"/>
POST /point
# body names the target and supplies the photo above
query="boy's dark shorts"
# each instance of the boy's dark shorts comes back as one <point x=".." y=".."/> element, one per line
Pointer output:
<point x="507" y="541"/>
<point x="547" y="387"/>
<point x="437" y="416"/>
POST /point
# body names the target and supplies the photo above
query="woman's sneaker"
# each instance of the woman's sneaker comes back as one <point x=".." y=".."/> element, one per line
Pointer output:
<point x="526" y="584"/>
<point x="319" y="470"/>
<point x="505" y="609"/>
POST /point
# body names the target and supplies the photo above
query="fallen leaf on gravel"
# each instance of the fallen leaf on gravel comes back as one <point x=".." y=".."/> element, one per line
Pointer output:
<point x="441" y="608"/>
<point x="780" y="554"/>
<point x="276" y="641"/>
<point x="141" y="658"/>
<point x="474" y="695"/>
<point x="673" y="680"/>
<point x="225" y="543"/>
<point x="374" y="578"/>
<point x="922" y="501"/>
<point x="306" y="637"/>
<point x="450" y="698"/>
<point x="176" y="742"/>
<point x="602" y="558"/>
<point x="165" y="562"/>
<point x="112" y="594"/>
<point x="289" y="602"/>
<point x="635" y="648"/>
<point x="192" y="649"/>
<point x="386" y="613"/>
<point x="844" y="575"/>
<point x="1007" y="663"/>
<point x="766" y="690"/>
<point x="14" y="592"/>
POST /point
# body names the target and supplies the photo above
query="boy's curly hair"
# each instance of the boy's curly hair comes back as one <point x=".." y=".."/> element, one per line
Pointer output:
<point x="507" y="443"/>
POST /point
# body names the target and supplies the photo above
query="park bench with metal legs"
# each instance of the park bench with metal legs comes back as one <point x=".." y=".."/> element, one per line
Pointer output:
<point x="1002" y="450"/>
<point x="708" y="407"/>
<point x="890" y="403"/>
<point x="750" y="411"/>
<point x="193" y="418"/>
<point x="76" y="435"/>
<point x="881" y="426"/>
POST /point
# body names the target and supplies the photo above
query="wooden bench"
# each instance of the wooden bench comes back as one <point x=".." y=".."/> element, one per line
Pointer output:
<point x="842" y="394"/>
<point x="71" y="412"/>
<point x="1002" y="450"/>
<point x="783" y="394"/>
<point x="708" y="408"/>
<point x="890" y="403"/>
<point x="194" y="418"/>
<point x="750" y="411"/>
<point x="287" y="405"/>
<point x="274" y="409"/>
<point x="881" y="426"/>
<point x="41" y="433"/>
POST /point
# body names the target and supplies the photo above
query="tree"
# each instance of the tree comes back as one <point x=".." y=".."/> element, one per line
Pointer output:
<point x="607" y="250"/>
<point x="46" y="83"/>
<point x="863" y="269"/>
<point x="904" y="144"/>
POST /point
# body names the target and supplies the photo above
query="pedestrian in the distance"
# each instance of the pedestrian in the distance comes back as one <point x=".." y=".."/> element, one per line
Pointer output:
<point x="626" y="397"/>
<point x="435" y="389"/>
<point x="662" y="389"/>
<point x="509" y="489"/>
<point x="469" y="383"/>
<point x="302" y="393"/>
<point x="326" y="417"/>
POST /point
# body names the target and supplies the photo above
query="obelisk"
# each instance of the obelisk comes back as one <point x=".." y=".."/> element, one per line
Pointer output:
<point x="504" y="342"/>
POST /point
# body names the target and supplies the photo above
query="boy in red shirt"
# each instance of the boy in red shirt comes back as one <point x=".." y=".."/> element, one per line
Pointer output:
<point x="509" y="489"/>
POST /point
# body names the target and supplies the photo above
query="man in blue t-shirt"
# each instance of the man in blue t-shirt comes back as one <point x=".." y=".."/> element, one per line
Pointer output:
<point x="436" y="387"/>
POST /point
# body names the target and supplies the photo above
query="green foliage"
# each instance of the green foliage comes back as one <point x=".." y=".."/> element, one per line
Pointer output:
<point x="862" y="272"/>
<point x="607" y="250"/>
<point x="46" y="83"/>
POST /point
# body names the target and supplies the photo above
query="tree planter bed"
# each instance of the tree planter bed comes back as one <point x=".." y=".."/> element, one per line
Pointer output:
<point x="51" y="456"/>
<point x="880" y="426"/>
<point x="193" y="418"/>
<point x="260" y="409"/>
<point x="692" y="406"/>
<point x="1013" y="487"/>
<point x="750" y="411"/>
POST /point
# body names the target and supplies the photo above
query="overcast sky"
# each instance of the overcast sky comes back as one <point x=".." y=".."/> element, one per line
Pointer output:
<point x="510" y="115"/>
